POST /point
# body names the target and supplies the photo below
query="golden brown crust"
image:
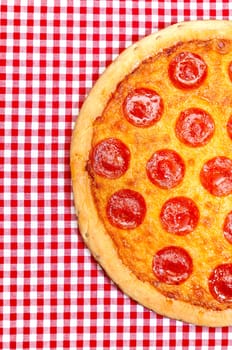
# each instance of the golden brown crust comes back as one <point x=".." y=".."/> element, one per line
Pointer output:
<point x="91" y="226"/>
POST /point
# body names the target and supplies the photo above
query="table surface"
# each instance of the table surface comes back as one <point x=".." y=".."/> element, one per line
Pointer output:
<point x="53" y="294"/>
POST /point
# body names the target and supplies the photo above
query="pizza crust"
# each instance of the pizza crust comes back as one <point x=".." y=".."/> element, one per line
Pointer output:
<point x="91" y="227"/>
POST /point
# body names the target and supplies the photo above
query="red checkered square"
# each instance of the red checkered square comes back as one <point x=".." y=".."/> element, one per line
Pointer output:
<point x="53" y="295"/>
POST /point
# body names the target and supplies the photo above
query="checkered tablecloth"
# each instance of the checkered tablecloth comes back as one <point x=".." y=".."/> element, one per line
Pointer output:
<point x="53" y="295"/>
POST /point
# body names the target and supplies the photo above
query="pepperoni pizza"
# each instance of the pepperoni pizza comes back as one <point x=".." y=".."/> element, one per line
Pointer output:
<point x="151" y="162"/>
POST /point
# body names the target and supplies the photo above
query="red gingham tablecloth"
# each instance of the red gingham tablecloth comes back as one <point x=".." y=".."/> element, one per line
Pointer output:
<point x="53" y="294"/>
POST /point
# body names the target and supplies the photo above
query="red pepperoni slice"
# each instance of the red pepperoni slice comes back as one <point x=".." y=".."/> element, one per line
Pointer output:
<point x="220" y="283"/>
<point x="194" y="127"/>
<point x="126" y="209"/>
<point x="227" y="227"/>
<point x="229" y="126"/>
<point x="110" y="158"/>
<point x="179" y="215"/>
<point x="230" y="70"/>
<point x="143" y="107"/>
<point x="172" y="265"/>
<point x="165" y="168"/>
<point x="187" y="70"/>
<point x="216" y="176"/>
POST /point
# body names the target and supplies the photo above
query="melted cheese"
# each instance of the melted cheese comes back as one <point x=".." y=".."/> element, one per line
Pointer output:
<point x="206" y="244"/>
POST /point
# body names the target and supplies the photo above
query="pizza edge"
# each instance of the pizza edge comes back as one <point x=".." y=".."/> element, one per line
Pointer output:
<point x="91" y="227"/>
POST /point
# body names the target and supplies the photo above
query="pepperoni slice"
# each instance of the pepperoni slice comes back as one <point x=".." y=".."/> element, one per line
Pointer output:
<point x="216" y="176"/>
<point x="230" y="70"/>
<point x="187" y="70"/>
<point x="227" y="227"/>
<point x="165" y="168"/>
<point x="143" y="107"/>
<point x="229" y="126"/>
<point x="126" y="209"/>
<point x="179" y="215"/>
<point x="194" y="127"/>
<point x="110" y="158"/>
<point x="172" y="265"/>
<point x="220" y="283"/>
